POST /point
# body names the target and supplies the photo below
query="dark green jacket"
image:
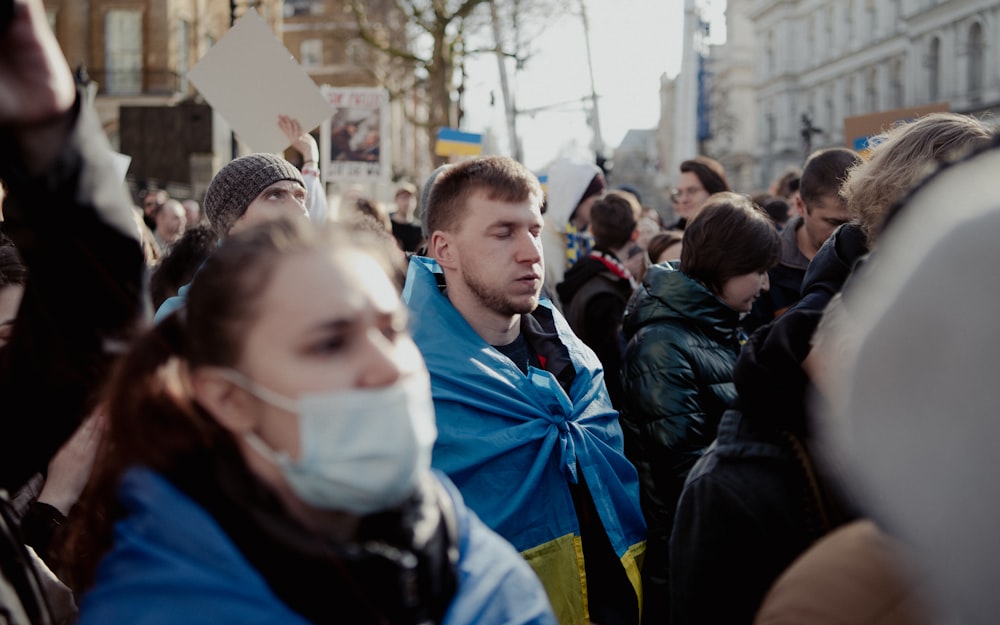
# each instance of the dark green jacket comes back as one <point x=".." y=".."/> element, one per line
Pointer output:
<point x="677" y="379"/>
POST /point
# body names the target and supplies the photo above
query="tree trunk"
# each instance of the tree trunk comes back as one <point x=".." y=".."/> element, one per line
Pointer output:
<point x="439" y="87"/>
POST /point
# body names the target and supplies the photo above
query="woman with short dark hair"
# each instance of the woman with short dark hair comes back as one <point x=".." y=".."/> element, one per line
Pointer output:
<point x="682" y="327"/>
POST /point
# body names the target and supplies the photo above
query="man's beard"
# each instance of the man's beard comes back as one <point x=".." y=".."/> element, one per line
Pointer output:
<point x="496" y="300"/>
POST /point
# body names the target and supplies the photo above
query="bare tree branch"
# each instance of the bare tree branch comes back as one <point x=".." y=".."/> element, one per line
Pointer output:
<point x="370" y="37"/>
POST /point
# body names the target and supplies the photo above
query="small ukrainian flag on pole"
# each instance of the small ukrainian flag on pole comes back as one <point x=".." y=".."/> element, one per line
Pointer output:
<point x="451" y="142"/>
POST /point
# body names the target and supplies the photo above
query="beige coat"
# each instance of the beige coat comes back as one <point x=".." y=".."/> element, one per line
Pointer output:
<point x="854" y="576"/>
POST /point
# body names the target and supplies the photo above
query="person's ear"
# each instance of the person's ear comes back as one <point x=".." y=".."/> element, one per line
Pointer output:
<point x="800" y="206"/>
<point x="635" y="235"/>
<point x="229" y="405"/>
<point x="442" y="249"/>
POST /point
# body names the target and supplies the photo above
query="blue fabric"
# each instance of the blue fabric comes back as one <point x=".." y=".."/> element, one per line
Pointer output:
<point x="512" y="442"/>
<point x="171" y="304"/>
<point x="171" y="563"/>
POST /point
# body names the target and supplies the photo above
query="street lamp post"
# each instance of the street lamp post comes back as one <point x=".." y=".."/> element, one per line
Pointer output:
<point x="807" y="131"/>
<point x="595" y="118"/>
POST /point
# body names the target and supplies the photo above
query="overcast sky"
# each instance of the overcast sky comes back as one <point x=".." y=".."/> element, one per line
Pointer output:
<point x="633" y="42"/>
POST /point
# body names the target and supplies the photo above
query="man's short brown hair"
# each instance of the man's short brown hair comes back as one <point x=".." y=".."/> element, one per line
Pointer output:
<point x="500" y="178"/>
<point x="824" y="173"/>
<point x="613" y="219"/>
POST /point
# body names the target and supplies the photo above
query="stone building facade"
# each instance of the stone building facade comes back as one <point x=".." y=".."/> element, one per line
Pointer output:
<point x="323" y="37"/>
<point x="137" y="53"/>
<point x="829" y="60"/>
<point x="832" y="60"/>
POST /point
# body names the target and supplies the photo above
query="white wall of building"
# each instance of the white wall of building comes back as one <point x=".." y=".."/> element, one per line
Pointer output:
<point x="832" y="59"/>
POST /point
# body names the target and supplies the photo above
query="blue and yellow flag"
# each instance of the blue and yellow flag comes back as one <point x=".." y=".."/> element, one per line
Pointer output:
<point x="513" y="443"/>
<point x="451" y="142"/>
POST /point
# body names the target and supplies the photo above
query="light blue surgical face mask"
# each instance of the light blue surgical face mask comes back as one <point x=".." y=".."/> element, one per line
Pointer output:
<point x="363" y="450"/>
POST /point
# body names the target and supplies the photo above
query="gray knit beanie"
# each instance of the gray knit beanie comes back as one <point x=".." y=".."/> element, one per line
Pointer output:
<point x="239" y="183"/>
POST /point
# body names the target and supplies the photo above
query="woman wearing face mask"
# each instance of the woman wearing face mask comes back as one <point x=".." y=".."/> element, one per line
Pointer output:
<point x="682" y="327"/>
<point x="268" y="458"/>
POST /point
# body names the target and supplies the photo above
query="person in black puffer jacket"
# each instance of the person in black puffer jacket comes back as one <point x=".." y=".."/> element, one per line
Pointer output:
<point x="756" y="500"/>
<point x="682" y="327"/>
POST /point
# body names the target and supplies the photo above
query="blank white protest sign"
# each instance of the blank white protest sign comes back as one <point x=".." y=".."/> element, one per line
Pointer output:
<point x="250" y="78"/>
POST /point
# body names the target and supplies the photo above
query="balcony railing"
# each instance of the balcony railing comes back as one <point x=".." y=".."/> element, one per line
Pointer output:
<point x="137" y="82"/>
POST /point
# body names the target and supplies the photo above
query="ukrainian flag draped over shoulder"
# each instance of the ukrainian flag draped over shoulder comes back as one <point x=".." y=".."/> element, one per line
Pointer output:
<point x="512" y="443"/>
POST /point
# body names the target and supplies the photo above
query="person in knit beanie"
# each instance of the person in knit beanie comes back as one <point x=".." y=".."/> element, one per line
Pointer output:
<point x="249" y="190"/>
<point x="252" y="189"/>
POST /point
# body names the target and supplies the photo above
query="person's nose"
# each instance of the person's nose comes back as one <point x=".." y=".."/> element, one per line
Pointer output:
<point x="296" y="208"/>
<point x="529" y="248"/>
<point x="382" y="360"/>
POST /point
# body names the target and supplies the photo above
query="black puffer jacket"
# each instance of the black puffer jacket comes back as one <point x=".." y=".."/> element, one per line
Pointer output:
<point x="755" y="500"/>
<point x="677" y="382"/>
<point x="831" y="266"/>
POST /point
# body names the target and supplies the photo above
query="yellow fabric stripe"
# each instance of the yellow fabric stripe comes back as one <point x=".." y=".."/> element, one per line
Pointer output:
<point x="559" y="564"/>
<point x="455" y="148"/>
<point x="632" y="561"/>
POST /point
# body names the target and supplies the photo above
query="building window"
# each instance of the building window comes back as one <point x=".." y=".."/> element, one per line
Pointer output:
<point x="356" y="51"/>
<point x="769" y="54"/>
<point x="183" y="50"/>
<point x="295" y="8"/>
<point x="975" y="67"/>
<point x="123" y="51"/>
<point x="934" y="70"/>
<point x="810" y="39"/>
<point x="871" y="91"/>
<point x="848" y="24"/>
<point x="828" y="31"/>
<point x="896" y="85"/>
<point x="849" y="109"/>
<point x="311" y="53"/>
<point x="871" y="11"/>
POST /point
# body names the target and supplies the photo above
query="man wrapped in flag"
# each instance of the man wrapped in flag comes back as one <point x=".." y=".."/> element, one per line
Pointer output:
<point x="526" y="428"/>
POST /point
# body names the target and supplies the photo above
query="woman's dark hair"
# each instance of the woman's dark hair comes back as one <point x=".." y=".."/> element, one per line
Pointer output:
<point x="661" y="242"/>
<point x="153" y="419"/>
<point x="181" y="262"/>
<point x="731" y="236"/>
<point x="776" y="208"/>
<point x="709" y="171"/>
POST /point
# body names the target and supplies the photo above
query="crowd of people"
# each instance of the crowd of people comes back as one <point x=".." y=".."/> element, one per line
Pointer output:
<point x="495" y="404"/>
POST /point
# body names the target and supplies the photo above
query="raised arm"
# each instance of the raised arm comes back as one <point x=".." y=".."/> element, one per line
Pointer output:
<point x="305" y="145"/>
<point x="69" y="217"/>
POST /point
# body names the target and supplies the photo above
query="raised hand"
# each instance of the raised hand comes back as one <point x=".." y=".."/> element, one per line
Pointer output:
<point x="301" y="140"/>
<point x="36" y="84"/>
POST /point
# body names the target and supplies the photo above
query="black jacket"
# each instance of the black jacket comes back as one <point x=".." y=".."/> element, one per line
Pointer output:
<point x="829" y="269"/>
<point x="677" y="382"/>
<point x="76" y="231"/>
<point x="755" y="500"/>
<point x="594" y="298"/>
<point x="785" y="278"/>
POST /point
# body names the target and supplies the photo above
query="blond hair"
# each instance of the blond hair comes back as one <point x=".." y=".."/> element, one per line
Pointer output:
<point x="902" y="157"/>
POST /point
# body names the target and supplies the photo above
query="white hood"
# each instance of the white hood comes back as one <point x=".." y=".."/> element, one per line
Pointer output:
<point x="567" y="182"/>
